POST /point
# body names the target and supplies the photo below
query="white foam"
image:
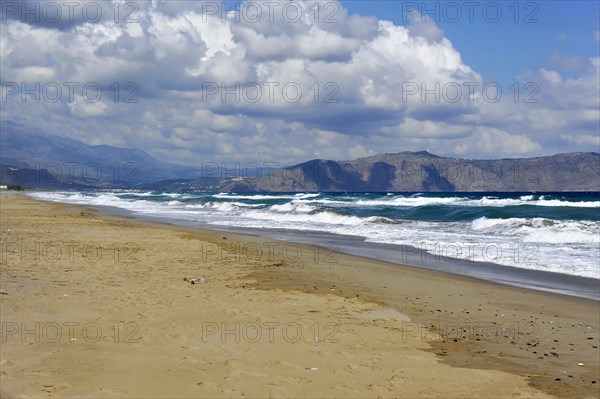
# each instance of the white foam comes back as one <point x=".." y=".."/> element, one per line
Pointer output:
<point x="556" y="236"/>
<point x="565" y="246"/>
<point x="252" y="197"/>
<point x="581" y="204"/>
<point x="417" y="200"/>
<point x="542" y="230"/>
<point x="304" y="196"/>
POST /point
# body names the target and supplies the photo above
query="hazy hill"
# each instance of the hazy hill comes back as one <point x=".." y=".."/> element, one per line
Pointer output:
<point x="423" y="172"/>
<point x="35" y="159"/>
<point x="38" y="159"/>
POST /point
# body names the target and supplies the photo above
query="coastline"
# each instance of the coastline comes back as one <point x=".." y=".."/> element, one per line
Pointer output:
<point x="401" y="255"/>
<point x="455" y="322"/>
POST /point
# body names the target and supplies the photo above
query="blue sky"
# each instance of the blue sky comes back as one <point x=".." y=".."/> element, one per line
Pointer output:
<point x="503" y="50"/>
<point x="378" y="76"/>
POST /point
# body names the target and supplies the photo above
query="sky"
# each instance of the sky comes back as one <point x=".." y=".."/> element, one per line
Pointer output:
<point x="281" y="81"/>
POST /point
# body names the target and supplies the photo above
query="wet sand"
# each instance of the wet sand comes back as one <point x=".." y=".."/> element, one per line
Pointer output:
<point x="94" y="305"/>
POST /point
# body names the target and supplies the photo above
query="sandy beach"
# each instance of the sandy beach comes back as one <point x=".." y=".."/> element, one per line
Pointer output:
<point x="94" y="305"/>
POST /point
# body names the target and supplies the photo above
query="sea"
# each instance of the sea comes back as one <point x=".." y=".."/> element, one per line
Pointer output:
<point x="546" y="241"/>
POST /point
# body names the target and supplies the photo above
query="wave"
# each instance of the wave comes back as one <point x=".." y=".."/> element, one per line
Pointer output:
<point x="542" y="230"/>
<point x="581" y="204"/>
<point x="303" y="219"/>
<point x="264" y="196"/>
<point x="486" y="201"/>
<point x="384" y="220"/>
<point x="291" y="207"/>
<point x="251" y="197"/>
<point x="565" y="245"/>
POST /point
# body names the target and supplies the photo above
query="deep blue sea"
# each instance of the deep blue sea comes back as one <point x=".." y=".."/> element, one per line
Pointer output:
<point x="553" y="232"/>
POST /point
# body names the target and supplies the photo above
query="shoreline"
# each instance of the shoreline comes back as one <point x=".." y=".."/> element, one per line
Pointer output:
<point x="400" y="255"/>
<point x="458" y="321"/>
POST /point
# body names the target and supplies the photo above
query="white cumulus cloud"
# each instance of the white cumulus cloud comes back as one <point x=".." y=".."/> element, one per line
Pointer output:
<point x="185" y="81"/>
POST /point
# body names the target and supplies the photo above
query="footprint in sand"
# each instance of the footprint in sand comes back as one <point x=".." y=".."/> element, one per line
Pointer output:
<point x="250" y="374"/>
<point x="342" y="372"/>
<point x="42" y="373"/>
<point x="106" y="393"/>
<point x="233" y="364"/>
<point x="48" y="388"/>
<point x="278" y="392"/>
<point x="283" y="363"/>
<point x="357" y="367"/>
<point x="293" y="380"/>
<point x="397" y="381"/>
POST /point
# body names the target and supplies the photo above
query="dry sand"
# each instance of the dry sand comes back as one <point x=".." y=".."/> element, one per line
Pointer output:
<point x="97" y="306"/>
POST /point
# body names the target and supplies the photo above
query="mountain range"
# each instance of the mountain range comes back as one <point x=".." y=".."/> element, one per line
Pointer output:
<point x="425" y="172"/>
<point x="36" y="159"/>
